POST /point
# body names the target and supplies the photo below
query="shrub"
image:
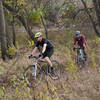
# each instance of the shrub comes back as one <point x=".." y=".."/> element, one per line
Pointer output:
<point x="11" y="51"/>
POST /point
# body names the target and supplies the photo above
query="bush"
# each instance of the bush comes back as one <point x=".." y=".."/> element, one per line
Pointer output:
<point x="11" y="51"/>
<point x="30" y="44"/>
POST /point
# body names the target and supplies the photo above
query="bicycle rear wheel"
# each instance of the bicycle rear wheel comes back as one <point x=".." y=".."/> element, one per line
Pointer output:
<point x="31" y="80"/>
<point x="57" y="70"/>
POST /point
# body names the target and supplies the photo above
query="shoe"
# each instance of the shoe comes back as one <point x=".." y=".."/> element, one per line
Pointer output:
<point x="85" y="58"/>
<point x="52" y="70"/>
<point x="48" y="69"/>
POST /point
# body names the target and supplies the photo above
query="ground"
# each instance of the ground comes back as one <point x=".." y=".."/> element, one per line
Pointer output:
<point x="74" y="83"/>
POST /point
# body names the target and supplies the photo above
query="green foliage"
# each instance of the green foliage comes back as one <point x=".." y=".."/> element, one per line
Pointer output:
<point x="11" y="51"/>
<point x="1" y="92"/>
<point x="20" y="2"/>
<point x="1" y="73"/>
<point x="57" y="7"/>
<point x="71" y="68"/>
<point x="35" y="16"/>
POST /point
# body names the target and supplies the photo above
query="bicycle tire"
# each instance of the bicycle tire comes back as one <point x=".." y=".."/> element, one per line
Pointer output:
<point x="57" y="70"/>
<point x="30" y="80"/>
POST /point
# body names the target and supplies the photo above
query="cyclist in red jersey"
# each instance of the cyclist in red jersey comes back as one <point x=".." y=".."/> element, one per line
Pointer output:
<point x="79" y="40"/>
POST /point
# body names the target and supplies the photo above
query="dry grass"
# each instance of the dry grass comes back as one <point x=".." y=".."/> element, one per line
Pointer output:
<point x="75" y="84"/>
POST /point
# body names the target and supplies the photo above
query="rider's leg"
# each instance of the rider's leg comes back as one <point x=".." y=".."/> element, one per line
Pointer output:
<point x="46" y="56"/>
<point x="85" y="54"/>
<point x="47" y="59"/>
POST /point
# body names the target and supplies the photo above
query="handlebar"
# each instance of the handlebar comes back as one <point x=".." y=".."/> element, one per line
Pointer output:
<point x="36" y="57"/>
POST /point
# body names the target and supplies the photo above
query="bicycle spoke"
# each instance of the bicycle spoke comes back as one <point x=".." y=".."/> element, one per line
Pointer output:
<point x="57" y="70"/>
<point x="30" y="79"/>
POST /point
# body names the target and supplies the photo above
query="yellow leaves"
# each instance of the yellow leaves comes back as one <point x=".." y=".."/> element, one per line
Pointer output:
<point x="28" y="92"/>
<point x="99" y="69"/>
<point x="1" y="92"/>
<point x="46" y="87"/>
<point x="98" y="42"/>
<point x="19" y="95"/>
<point x="71" y="68"/>
<point x="93" y="59"/>
<point x="20" y="2"/>
<point x="11" y="51"/>
<point x="17" y="89"/>
<point x="67" y="69"/>
<point x="69" y="86"/>
<point x="30" y="44"/>
<point x="47" y="98"/>
<point x="55" y="98"/>
<point x="41" y="94"/>
<point x="8" y="2"/>
<point x="54" y="88"/>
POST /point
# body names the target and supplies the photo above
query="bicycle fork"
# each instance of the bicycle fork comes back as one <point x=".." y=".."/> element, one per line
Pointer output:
<point x="34" y="70"/>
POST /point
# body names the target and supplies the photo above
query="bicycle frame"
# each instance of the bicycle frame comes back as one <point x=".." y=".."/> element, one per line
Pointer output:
<point x="80" y="55"/>
<point x="34" y="68"/>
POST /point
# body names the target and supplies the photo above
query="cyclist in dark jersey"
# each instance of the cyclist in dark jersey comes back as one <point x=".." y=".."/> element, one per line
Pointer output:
<point x="80" y="41"/>
<point x="47" y="49"/>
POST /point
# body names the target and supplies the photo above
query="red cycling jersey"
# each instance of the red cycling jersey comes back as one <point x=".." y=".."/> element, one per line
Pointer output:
<point x="80" y="40"/>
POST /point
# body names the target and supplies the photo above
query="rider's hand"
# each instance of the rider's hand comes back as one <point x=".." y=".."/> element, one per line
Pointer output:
<point x="30" y="56"/>
<point x="73" y="48"/>
<point x="40" y="54"/>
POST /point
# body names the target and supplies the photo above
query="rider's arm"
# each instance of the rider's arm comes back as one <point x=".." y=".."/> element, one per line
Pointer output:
<point x="44" y="48"/>
<point x="84" y="41"/>
<point x="34" y="50"/>
<point x="74" y="42"/>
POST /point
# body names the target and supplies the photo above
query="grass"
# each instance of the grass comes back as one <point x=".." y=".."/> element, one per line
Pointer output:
<point x="79" y="81"/>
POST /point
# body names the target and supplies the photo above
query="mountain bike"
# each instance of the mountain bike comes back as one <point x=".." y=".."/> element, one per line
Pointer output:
<point x="34" y="73"/>
<point x="81" y="58"/>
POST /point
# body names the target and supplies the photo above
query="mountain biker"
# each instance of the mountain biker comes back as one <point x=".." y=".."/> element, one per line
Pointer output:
<point x="47" y="49"/>
<point x="79" y="40"/>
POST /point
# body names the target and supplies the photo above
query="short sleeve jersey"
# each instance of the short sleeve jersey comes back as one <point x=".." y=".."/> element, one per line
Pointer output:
<point x="44" y="41"/>
<point x="80" y="40"/>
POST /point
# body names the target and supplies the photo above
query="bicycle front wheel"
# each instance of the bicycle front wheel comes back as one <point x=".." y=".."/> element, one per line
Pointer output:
<point x="30" y="79"/>
<point x="57" y="70"/>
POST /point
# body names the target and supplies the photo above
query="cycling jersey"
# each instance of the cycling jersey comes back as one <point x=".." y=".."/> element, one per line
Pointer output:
<point x="80" y="40"/>
<point x="44" y="41"/>
<point x="49" y="48"/>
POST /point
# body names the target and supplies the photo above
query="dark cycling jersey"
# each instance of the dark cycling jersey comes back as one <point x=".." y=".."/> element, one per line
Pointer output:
<point x="49" y="49"/>
<point x="44" y="41"/>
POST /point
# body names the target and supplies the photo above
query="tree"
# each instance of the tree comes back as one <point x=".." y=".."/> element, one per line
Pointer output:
<point x="2" y="32"/>
<point x="97" y="9"/>
<point x="91" y="19"/>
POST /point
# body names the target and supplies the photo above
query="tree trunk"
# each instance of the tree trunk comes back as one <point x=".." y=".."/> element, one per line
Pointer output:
<point x="13" y="31"/>
<point x="91" y="19"/>
<point x="2" y="33"/>
<point x="46" y="32"/>
<point x="8" y="35"/>
<point x="97" y="9"/>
